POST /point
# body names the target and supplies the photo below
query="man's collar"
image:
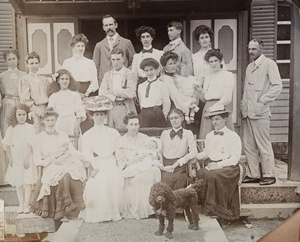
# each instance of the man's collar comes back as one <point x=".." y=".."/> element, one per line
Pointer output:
<point x="114" y="37"/>
<point x="223" y="129"/>
<point x="120" y="71"/>
<point x="259" y="59"/>
<point x="176" y="41"/>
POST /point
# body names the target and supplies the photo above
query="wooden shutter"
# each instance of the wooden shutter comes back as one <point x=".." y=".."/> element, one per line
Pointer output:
<point x="7" y="30"/>
<point x="263" y="24"/>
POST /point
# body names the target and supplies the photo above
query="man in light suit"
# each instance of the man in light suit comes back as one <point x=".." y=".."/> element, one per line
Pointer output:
<point x="113" y="40"/>
<point x="262" y="85"/>
<point x="177" y="46"/>
<point x="119" y="85"/>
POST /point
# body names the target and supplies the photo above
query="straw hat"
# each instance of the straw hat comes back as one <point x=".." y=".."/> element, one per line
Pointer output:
<point x="210" y="114"/>
<point x="97" y="103"/>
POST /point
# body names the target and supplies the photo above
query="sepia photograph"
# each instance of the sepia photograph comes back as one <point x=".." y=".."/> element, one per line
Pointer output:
<point x="149" y="120"/>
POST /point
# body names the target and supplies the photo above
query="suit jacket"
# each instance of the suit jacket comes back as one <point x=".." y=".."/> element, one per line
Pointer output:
<point x="185" y="55"/>
<point x="262" y="85"/>
<point x="128" y="90"/>
<point x="101" y="55"/>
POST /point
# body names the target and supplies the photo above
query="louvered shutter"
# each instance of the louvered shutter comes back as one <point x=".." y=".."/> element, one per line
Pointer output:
<point x="263" y="24"/>
<point x="7" y="32"/>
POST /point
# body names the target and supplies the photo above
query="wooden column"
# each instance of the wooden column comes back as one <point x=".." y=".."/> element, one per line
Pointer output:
<point x="294" y="128"/>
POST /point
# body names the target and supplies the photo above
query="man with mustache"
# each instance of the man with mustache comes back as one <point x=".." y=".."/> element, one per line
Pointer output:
<point x="113" y="40"/>
<point x="262" y="85"/>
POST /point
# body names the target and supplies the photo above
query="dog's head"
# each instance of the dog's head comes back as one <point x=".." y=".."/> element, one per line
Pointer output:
<point x="197" y="185"/>
<point x="161" y="193"/>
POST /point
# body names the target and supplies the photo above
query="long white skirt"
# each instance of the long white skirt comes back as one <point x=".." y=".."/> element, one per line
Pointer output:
<point x="103" y="194"/>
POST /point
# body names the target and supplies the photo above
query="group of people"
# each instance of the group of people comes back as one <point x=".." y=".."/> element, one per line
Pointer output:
<point x="109" y="176"/>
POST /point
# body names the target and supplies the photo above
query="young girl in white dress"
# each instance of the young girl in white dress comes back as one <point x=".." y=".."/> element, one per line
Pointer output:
<point x="67" y="103"/>
<point x="18" y="143"/>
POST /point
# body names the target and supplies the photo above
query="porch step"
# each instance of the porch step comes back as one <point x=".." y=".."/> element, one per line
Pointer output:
<point x="283" y="191"/>
<point x="9" y="195"/>
<point x="31" y="223"/>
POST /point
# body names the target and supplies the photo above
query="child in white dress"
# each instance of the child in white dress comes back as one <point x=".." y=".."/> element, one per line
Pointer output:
<point x="18" y="143"/>
<point x="150" y="154"/>
<point x="189" y="86"/>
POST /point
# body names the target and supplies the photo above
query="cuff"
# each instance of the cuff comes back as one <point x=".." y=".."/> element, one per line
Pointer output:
<point x="181" y="161"/>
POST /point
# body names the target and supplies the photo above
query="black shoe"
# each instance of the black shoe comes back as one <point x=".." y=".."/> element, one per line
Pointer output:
<point x="268" y="181"/>
<point x="251" y="180"/>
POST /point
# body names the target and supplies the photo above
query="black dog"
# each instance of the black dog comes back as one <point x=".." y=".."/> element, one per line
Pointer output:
<point x="165" y="201"/>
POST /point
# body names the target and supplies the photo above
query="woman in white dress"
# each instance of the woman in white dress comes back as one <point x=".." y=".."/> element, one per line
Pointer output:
<point x="66" y="103"/>
<point x="136" y="188"/>
<point x="218" y="91"/>
<point x="58" y="193"/>
<point x="103" y="190"/>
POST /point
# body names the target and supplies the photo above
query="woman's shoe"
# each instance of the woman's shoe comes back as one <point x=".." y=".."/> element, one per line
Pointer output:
<point x="20" y="209"/>
<point x="26" y="209"/>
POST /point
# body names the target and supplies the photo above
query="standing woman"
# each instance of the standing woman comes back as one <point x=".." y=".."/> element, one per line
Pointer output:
<point x="178" y="148"/>
<point x="81" y="68"/>
<point x="66" y="103"/>
<point x="217" y="89"/>
<point x="146" y="35"/>
<point x="9" y="82"/>
<point x="204" y="36"/>
<point x="103" y="190"/>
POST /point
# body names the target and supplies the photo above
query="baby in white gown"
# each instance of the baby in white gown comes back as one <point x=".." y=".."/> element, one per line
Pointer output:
<point x="150" y="154"/>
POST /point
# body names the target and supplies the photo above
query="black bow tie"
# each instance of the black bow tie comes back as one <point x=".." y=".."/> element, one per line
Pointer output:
<point x="173" y="133"/>
<point x="216" y="132"/>
<point x="169" y="74"/>
<point x="147" y="51"/>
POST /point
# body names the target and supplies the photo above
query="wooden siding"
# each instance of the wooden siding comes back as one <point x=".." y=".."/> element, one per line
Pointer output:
<point x="264" y="25"/>
<point x="7" y="30"/>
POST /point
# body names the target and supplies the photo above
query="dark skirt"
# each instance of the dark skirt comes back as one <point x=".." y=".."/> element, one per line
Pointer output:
<point x="177" y="179"/>
<point x="220" y="194"/>
<point x="79" y="86"/>
<point x="65" y="199"/>
<point x="153" y="117"/>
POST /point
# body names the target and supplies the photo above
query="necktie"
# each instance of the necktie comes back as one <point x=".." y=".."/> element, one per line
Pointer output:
<point x="173" y="133"/>
<point x="147" y="51"/>
<point x="216" y="132"/>
<point x="148" y="87"/>
<point x="111" y="43"/>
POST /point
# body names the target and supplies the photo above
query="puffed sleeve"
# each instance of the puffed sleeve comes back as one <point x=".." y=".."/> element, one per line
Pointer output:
<point x="87" y="150"/>
<point x="79" y="107"/>
<point x="192" y="148"/>
<point x="227" y="94"/>
<point x="24" y="92"/>
<point x="94" y="79"/>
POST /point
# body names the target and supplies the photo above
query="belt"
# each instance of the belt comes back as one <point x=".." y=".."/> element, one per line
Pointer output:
<point x="10" y="96"/>
<point x="154" y="107"/>
<point x="119" y="103"/>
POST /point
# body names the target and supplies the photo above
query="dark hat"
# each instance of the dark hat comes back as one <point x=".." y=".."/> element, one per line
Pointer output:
<point x="149" y="62"/>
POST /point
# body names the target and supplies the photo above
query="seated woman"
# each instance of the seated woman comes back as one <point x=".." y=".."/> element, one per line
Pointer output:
<point x="103" y="190"/>
<point x="178" y="148"/>
<point x="217" y="90"/>
<point x="58" y="193"/>
<point x="136" y="188"/>
<point x="221" y="174"/>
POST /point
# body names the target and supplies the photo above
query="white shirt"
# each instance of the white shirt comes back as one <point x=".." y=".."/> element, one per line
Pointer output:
<point x="175" y="42"/>
<point x="118" y="79"/>
<point x="219" y="86"/>
<point x="82" y="70"/>
<point x="158" y="95"/>
<point x="226" y="147"/>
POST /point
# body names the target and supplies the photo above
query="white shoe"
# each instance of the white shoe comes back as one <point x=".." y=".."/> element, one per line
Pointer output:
<point x="26" y="209"/>
<point x="20" y="209"/>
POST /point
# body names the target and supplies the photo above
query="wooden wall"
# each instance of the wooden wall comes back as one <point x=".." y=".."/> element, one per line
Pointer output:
<point x="264" y="24"/>
<point x="7" y="30"/>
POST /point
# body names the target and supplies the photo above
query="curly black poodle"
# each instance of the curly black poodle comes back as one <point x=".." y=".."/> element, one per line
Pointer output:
<point x="165" y="201"/>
